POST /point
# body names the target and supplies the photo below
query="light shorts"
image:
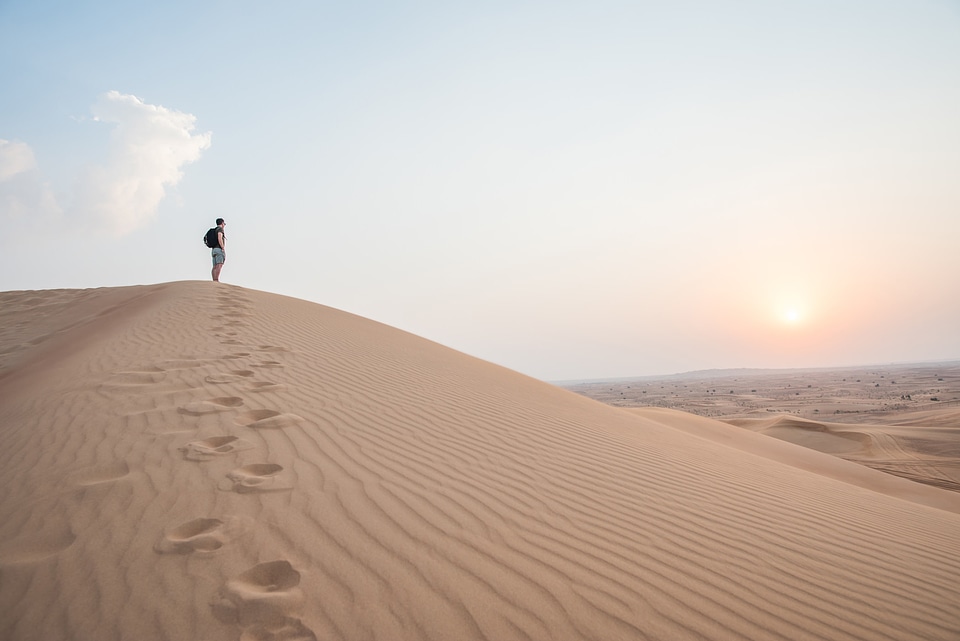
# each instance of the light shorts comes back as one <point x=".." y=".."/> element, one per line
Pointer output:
<point x="219" y="257"/>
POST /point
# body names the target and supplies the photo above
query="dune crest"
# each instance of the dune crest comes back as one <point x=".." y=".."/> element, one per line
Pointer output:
<point x="201" y="461"/>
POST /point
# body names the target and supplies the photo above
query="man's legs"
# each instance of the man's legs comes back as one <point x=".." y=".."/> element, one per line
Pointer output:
<point x="218" y="261"/>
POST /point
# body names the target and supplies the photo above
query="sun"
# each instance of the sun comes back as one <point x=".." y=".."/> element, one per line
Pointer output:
<point x="790" y="311"/>
<point x="794" y="316"/>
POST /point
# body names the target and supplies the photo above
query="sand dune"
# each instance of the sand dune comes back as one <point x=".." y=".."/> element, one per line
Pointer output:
<point x="193" y="461"/>
<point x="798" y="443"/>
<point x="922" y="446"/>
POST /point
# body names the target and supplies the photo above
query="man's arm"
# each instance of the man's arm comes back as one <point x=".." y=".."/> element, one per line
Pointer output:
<point x="222" y="240"/>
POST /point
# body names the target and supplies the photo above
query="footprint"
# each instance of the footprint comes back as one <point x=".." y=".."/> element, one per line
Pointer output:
<point x="272" y="348"/>
<point x="36" y="548"/>
<point x="212" y="447"/>
<point x="289" y="629"/>
<point x="238" y="355"/>
<point x="266" y="597"/>
<point x="99" y="475"/>
<point x="198" y="535"/>
<point x="230" y="377"/>
<point x="211" y="406"/>
<point x="267" y="419"/>
<point x="204" y="535"/>
<point x="256" y="477"/>
<point x="231" y="341"/>
<point x="265" y="386"/>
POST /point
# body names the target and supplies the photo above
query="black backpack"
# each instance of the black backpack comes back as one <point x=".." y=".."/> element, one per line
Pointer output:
<point x="210" y="238"/>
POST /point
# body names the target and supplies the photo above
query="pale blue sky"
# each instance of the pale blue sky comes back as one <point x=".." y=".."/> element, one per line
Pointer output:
<point x="570" y="189"/>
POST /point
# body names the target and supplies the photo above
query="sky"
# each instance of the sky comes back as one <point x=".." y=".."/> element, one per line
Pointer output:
<point x="574" y="190"/>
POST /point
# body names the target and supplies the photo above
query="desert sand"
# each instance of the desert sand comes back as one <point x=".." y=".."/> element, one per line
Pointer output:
<point x="877" y="394"/>
<point x="901" y="419"/>
<point x="201" y="461"/>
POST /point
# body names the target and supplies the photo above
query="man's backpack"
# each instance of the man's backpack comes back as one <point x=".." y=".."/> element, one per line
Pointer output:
<point x="210" y="238"/>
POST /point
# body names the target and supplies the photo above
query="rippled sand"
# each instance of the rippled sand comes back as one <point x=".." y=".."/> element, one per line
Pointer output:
<point x="201" y="461"/>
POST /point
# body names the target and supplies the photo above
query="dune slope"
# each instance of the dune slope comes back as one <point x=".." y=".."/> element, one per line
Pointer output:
<point x="194" y="461"/>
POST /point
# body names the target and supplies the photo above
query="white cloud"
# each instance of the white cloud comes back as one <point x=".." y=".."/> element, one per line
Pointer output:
<point x="15" y="158"/>
<point x="24" y="196"/>
<point x="148" y="147"/>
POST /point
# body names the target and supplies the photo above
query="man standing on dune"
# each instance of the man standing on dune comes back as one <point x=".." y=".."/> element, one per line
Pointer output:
<point x="219" y="251"/>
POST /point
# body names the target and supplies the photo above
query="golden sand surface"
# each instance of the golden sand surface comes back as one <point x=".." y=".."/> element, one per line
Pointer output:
<point x="201" y="461"/>
<point x="901" y="419"/>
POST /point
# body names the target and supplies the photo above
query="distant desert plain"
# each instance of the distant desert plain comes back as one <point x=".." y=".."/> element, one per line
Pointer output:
<point x="903" y="419"/>
<point x="197" y="461"/>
